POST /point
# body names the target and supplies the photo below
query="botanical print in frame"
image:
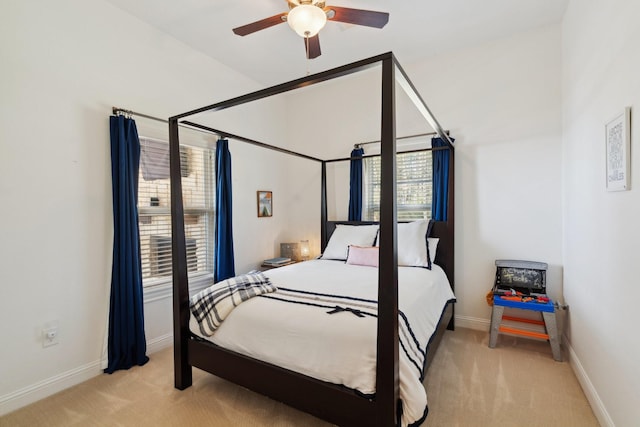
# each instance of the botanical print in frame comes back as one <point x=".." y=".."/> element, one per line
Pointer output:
<point x="617" y="137"/>
<point x="265" y="203"/>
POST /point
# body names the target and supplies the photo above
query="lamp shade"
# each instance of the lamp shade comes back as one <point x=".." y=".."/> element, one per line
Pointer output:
<point x="304" y="249"/>
<point x="306" y="20"/>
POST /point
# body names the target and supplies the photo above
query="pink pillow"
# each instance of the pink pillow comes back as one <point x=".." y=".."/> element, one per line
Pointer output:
<point x="363" y="255"/>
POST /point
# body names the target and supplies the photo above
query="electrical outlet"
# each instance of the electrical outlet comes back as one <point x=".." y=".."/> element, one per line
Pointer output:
<point x="50" y="336"/>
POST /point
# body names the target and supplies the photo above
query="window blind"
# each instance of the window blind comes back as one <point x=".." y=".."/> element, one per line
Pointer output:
<point x="154" y="210"/>
<point x="413" y="189"/>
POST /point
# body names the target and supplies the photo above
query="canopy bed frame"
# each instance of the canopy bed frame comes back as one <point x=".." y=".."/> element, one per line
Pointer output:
<point x="334" y="403"/>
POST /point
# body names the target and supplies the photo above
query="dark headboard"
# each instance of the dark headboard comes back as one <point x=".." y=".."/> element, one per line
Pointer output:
<point x="440" y="229"/>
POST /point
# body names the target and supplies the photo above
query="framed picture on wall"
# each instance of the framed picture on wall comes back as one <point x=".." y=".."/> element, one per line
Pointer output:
<point x="265" y="204"/>
<point x="617" y="137"/>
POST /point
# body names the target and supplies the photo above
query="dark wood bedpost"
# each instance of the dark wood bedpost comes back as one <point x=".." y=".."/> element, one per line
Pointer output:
<point x="387" y="377"/>
<point x="323" y="208"/>
<point x="182" y="369"/>
<point x="450" y="227"/>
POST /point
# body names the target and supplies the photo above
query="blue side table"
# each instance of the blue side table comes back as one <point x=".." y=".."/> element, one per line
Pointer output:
<point x="548" y="311"/>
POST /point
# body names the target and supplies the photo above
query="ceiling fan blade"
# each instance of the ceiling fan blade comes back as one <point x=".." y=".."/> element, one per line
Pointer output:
<point x="313" y="49"/>
<point x="368" y="18"/>
<point x="260" y="25"/>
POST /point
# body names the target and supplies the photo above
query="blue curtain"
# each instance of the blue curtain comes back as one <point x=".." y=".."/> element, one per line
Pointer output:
<point x="223" y="254"/>
<point x="127" y="343"/>
<point x="440" y="160"/>
<point x="355" y="185"/>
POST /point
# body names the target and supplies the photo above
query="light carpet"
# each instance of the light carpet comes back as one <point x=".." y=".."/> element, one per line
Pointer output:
<point x="516" y="384"/>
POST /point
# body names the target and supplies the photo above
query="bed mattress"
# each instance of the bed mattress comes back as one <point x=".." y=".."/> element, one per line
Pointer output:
<point x="321" y="322"/>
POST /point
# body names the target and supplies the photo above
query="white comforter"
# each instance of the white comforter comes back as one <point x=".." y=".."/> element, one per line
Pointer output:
<point x="339" y="348"/>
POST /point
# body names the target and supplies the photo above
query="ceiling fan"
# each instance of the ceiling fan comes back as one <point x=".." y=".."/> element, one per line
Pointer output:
<point x="307" y="17"/>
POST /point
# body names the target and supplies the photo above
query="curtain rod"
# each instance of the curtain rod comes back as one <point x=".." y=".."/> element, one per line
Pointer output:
<point x="359" y="144"/>
<point x="118" y="110"/>
<point x="366" y="156"/>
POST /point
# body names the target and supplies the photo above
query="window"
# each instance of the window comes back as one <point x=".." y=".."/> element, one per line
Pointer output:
<point x="154" y="210"/>
<point x="414" y="186"/>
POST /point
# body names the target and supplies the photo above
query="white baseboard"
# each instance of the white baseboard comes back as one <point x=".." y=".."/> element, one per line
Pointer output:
<point x="475" y="323"/>
<point x="587" y="387"/>
<point x="159" y="343"/>
<point x="27" y="395"/>
<point x="30" y="394"/>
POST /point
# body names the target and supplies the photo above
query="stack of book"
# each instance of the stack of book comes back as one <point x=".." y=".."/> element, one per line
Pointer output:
<point x="277" y="262"/>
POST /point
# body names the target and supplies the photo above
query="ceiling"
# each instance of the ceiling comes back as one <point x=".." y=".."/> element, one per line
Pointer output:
<point x="417" y="29"/>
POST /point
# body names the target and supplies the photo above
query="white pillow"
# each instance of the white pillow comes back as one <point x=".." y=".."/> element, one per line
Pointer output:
<point x="345" y="235"/>
<point x="433" y="246"/>
<point x="412" y="244"/>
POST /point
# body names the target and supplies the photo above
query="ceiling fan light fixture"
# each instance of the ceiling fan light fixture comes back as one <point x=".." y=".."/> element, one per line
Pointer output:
<point x="306" y="19"/>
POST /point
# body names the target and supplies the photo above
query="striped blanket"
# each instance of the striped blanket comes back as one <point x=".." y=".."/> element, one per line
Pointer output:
<point x="213" y="304"/>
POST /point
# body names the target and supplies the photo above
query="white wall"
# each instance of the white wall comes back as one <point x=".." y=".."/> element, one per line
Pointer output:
<point x="601" y="65"/>
<point x="502" y="103"/>
<point x="64" y="65"/>
<point x="296" y="204"/>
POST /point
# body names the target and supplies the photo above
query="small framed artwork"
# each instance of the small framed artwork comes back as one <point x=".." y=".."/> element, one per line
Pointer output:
<point x="617" y="138"/>
<point x="265" y="204"/>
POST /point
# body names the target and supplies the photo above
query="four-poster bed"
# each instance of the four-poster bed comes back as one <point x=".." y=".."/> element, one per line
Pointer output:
<point x="335" y="403"/>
